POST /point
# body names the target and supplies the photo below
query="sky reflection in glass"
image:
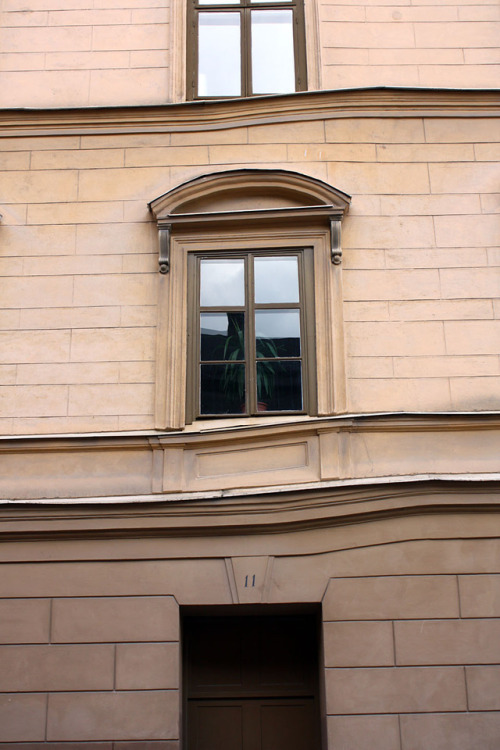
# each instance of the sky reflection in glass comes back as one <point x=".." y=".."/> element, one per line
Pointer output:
<point x="276" y="280"/>
<point x="273" y="61"/>
<point x="222" y="282"/>
<point x="219" y="53"/>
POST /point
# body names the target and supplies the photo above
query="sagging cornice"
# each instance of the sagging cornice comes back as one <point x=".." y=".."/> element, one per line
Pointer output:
<point x="212" y="115"/>
<point x="283" y="511"/>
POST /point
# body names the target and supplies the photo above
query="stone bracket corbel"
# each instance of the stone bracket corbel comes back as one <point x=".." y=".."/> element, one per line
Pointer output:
<point x="164" y="238"/>
<point x="335" y="236"/>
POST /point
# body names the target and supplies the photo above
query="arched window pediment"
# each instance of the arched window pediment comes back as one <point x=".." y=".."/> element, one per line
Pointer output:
<point x="244" y="195"/>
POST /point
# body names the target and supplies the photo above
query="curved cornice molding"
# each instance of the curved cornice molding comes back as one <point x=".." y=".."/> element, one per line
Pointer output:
<point x="247" y="196"/>
<point x="255" y="185"/>
<point x="280" y="512"/>
<point x="212" y="115"/>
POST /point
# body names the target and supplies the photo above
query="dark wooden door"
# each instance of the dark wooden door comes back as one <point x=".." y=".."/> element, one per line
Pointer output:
<point x="251" y="683"/>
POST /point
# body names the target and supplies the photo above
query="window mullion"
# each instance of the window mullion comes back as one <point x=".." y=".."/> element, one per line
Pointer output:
<point x="251" y="359"/>
<point x="246" y="53"/>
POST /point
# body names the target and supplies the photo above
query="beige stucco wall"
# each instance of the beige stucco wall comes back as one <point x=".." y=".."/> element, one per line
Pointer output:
<point x="130" y="52"/>
<point x="409" y="43"/>
<point x="83" y="53"/>
<point x="79" y="260"/>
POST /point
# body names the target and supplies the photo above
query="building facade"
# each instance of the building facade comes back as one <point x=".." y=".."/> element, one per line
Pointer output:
<point x="250" y="375"/>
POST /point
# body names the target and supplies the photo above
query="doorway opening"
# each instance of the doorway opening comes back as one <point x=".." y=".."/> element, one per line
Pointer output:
<point x="251" y="681"/>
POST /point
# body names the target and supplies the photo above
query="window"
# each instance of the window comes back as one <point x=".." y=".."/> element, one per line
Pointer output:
<point x="252" y="336"/>
<point x="245" y="48"/>
<point x="250" y="298"/>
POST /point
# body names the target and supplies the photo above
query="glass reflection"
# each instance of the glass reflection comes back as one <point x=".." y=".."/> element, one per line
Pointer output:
<point x="279" y="386"/>
<point x="277" y="333"/>
<point x="219" y="54"/>
<point x="222" y="389"/>
<point x="222" y="336"/>
<point x="273" y="62"/>
<point x="222" y="282"/>
<point x="276" y="279"/>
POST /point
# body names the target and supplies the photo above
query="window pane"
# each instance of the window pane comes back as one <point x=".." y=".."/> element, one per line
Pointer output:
<point x="222" y="2"/>
<point x="276" y="279"/>
<point x="279" y="386"/>
<point x="277" y="333"/>
<point x="222" y="389"/>
<point x="222" y="336"/>
<point x="219" y="54"/>
<point x="273" y="62"/>
<point x="222" y="283"/>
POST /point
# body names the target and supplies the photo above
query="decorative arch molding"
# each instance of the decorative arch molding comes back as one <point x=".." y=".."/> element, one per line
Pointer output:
<point x="272" y="196"/>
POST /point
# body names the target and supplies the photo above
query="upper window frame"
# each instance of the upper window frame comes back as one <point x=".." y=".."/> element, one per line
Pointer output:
<point x="236" y="211"/>
<point x="244" y="8"/>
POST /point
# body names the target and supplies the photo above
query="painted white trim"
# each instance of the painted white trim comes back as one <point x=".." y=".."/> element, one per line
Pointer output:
<point x="274" y="489"/>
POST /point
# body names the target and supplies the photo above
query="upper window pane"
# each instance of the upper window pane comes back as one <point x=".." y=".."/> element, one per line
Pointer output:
<point x="222" y="283"/>
<point x="273" y="59"/>
<point x="245" y="47"/>
<point x="276" y="280"/>
<point x="219" y="54"/>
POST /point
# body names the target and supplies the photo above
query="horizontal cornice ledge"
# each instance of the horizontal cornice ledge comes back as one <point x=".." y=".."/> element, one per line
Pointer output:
<point x="284" y="511"/>
<point x="211" y="115"/>
<point x="353" y="423"/>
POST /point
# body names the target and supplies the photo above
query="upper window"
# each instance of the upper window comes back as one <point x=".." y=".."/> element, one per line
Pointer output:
<point x="252" y="337"/>
<point x="245" y="48"/>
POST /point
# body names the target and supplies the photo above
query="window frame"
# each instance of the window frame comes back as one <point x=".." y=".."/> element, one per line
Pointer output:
<point x="305" y="305"/>
<point x="244" y="8"/>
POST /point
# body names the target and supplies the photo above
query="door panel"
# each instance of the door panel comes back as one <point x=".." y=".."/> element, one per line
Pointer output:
<point x="217" y="726"/>
<point x="287" y="726"/>
<point x="253" y="724"/>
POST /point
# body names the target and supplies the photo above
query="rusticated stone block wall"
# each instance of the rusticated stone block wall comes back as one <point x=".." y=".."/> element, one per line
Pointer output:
<point x="411" y="635"/>
<point x="413" y="662"/>
<point x="89" y="669"/>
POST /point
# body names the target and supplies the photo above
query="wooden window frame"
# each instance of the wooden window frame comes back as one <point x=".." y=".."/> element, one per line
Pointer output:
<point x="238" y="211"/>
<point x="244" y="7"/>
<point x="305" y="305"/>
